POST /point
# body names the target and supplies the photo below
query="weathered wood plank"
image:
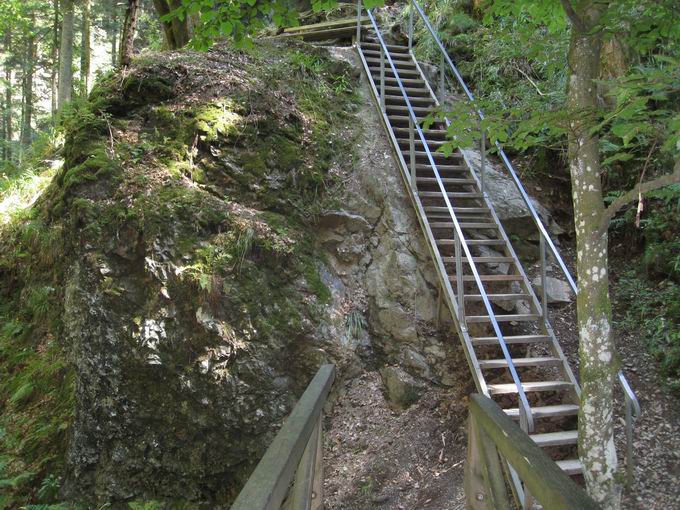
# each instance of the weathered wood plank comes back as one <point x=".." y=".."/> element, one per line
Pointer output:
<point x="317" y="488"/>
<point x="268" y="485"/>
<point x="337" y="23"/>
<point x="547" y="483"/>
<point x="301" y="493"/>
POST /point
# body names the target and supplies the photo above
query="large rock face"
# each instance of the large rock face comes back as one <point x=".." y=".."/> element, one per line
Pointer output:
<point x="226" y="223"/>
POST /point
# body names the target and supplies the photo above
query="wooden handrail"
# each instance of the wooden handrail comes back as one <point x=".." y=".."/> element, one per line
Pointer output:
<point x="292" y="454"/>
<point x="492" y="432"/>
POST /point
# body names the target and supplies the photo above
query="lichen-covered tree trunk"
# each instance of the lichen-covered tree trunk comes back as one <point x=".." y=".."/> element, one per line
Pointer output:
<point x="85" y="49"/>
<point x="129" y="29"/>
<point x="66" y="54"/>
<point x="596" y="346"/>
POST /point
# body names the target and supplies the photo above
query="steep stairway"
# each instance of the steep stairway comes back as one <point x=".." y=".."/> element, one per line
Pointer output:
<point x="512" y="350"/>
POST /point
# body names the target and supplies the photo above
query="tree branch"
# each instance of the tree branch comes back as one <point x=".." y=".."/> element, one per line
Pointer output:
<point x="631" y="195"/>
<point x="573" y="16"/>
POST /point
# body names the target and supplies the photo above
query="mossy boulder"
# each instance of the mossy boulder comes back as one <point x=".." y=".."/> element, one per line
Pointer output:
<point x="164" y="292"/>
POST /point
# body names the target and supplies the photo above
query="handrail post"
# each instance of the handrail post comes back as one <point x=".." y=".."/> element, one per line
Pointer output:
<point x="441" y="79"/>
<point x="410" y="27"/>
<point x="544" y="280"/>
<point x="629" y="442"/>
<point x="460" y="281"/>
<point x="412" y="151"/>
<point x="382" y="78"/>
<point x="632" y="410"/>
<point x="483" y="162"/>
<point x="358" y="23"/>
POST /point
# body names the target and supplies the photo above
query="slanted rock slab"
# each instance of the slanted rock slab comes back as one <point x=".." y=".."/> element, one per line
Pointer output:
<point x="401" y="388"/>
<point x="558" y="290"/>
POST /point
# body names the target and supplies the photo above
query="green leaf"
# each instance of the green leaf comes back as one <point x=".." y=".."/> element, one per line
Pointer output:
<point x="226" y="27"/>
<point x="23" y="393"/>
<point x="619" y="156"/>
<point x="208" y="16"/>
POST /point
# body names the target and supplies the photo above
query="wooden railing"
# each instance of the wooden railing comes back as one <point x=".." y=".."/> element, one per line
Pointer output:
<point x="492" y="435"/>
<point x="294" y="457"/>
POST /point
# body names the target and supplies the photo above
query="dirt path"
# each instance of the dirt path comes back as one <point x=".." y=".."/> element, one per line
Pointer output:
<point x="403" y="460"/>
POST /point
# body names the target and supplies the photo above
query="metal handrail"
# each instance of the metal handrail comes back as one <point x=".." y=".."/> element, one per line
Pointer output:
<point x="632" y="412"/>
<point x="544" y="236"/>
<point x="526" y="418"/>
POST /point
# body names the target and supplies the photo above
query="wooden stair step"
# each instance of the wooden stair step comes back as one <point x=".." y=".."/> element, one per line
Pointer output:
<point x="449" y="224"/>
<point x="561" y="438"/>
<point x="440" y="168"/>
<point x="399" y="64"/>
<point x="391" y="47"/>
<point x="406" y="140"/>
<point x="347" y="22"/>
<point x="570" y="466"/>
<point x="437" y="156"/>
<point x="520" y="362"/>
<point x="470" y="195"/>
<point x="404" y="119"/>
<point x="345" y="32"/>
<point x="498" y="297"/>
<point x="404" y="108"/>
<point x="472" y="242"/>
<point x="439" y="133"/>
<point x="510" y="388"/>
<point x="485" y="260"/>
<point x="401" y="72"/>
<point x="395" y="56"/>
<point x="488" y="278"/>
<point x="399" y="99"/>
<point x="546" y="411"/>
<point x="445" y="180"/>
<point x="412" y="92"/>
<point x="419" y="82"/>
<point x="519" y="317"/>
<point x="462" y="217"/>
<point x="513" y="339"/>
<point x="462" y="210"/>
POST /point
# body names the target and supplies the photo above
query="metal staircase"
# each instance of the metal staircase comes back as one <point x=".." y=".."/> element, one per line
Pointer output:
<point x="511" y="348"/>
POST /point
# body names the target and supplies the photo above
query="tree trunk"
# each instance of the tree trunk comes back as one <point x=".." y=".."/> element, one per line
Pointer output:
<point x="66" y="54"/>
<point x="54" y="58"/>
<point x="7" y="153"/>
<point x="162" y="9"/>
<point x="85" y="50"/>
<point x="128" y="36"/>
<point x="176" y="32"/>
<point x="27" y="86"/>
<point x="596" y="346"/>
<point x="114" y="34"/>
